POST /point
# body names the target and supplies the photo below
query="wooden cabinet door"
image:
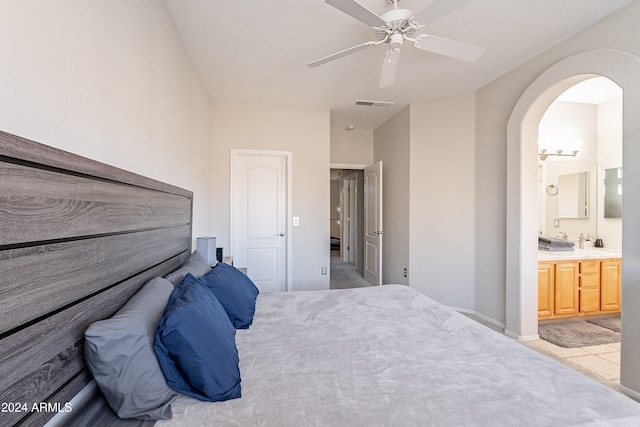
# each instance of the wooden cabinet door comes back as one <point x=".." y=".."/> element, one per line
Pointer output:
<point x="546" y="289"/>
<point x="566" y="292"/>
<point x="589" y="300"/>
<point x="611" y="285"/>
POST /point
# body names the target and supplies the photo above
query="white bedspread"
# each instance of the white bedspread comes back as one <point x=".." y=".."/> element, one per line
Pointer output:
<point x="389" y="356"/>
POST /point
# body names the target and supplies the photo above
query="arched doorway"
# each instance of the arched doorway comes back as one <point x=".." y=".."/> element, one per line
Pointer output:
<point x="522" y="213"/>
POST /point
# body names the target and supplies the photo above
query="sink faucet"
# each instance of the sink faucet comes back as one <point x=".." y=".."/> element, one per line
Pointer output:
<point x="564" y="235"/>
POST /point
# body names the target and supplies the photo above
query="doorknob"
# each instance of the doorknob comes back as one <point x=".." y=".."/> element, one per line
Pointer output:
<point x="281" y="235"/>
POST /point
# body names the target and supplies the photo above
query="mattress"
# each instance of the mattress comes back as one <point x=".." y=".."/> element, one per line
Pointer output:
<point x="389" y="355"/>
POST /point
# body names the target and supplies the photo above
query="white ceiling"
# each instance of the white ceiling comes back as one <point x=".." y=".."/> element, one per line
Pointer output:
<point x="256" y="51"/>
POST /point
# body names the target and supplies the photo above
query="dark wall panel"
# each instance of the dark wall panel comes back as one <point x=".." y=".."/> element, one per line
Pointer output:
<point x="77" y="239"/>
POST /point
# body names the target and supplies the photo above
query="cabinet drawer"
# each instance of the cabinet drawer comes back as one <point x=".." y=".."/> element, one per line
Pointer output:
<point x="591" y="281"/>
<point x="589" y="267"/>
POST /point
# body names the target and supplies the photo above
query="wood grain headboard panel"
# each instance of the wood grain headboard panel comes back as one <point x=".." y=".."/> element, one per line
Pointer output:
<point x="77" y="239"/>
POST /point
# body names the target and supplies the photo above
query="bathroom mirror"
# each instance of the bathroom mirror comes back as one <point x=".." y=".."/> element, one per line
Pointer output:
<point x="613" y="193"/>
<point x="573" y="195"/>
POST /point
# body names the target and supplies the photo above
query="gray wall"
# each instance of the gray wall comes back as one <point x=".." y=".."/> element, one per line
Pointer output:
<point x="503" y="201"/>
<point x="508" y="111"/>
<point x="443" y="199"/>
<point x="391" y="146"/>
<point x="494" y="106"/>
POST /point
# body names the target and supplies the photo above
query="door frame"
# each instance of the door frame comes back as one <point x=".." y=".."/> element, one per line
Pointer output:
<point x="361" y="167"/>
<point x="288" y="156"/>
<point x="345" y="235"/>
<point x="348" y="217"/>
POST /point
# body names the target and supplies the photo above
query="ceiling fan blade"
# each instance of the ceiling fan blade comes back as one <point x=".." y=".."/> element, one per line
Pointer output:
<point x="447" y="47"/>
<point x="358" y="11"/>
<point x="439" y="9"/>
<point x="341" y="54"/>
<point x="389" y="68"/>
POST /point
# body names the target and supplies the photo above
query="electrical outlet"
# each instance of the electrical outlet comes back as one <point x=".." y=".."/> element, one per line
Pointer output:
<point x="324" y="271"/>
<point x="556" y="223"/>
<point x="405" y="272"/>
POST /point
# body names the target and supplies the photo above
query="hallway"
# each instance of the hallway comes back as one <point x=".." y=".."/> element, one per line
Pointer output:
<point x="344" y="275"/>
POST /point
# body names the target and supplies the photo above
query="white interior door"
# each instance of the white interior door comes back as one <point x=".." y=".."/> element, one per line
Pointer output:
<point x="259" y="206"/>
<point x="373" y="223"/>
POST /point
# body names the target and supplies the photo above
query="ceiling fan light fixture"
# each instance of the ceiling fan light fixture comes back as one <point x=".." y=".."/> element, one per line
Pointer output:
<point x="397" y="25"/>
<point x="380" y="34"/>
<point x="396" y="41"/>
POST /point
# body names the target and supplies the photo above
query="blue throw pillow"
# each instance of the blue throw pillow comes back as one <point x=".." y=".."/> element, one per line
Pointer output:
<point x="195" y="344"/>
<point x="235" y="291"/>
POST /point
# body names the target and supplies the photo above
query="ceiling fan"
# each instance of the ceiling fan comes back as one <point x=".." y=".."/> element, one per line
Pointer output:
<point x="398" y="25"/>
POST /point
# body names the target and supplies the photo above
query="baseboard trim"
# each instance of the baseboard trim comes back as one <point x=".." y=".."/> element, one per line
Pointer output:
<point x="521" y="337"/>
<point x="480" y="315"/>
<point x="630" y="392"/>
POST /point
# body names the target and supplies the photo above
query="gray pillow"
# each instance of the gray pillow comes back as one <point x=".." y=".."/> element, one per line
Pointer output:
<point x="120" y="356"/>
<point x="197" y="266"/>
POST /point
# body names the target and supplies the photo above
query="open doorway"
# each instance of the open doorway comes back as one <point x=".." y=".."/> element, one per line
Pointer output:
<point x="347" y="228"/>
<point x="522" y="213"/>
<point x="579" y="287"/>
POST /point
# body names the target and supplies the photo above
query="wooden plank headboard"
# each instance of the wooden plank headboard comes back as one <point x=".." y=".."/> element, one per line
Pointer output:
<point x="77" y="239"/>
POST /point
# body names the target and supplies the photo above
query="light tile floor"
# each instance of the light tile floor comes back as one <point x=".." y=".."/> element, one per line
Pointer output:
<point x="600" y="362"/>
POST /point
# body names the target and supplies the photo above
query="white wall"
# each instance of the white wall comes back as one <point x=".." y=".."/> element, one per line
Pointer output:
<point x="108" y="80"/>
<point x="305" y="133"/>
<point x="569" y="120"/>
<point x="391" y="146"/>
<point x="442" y="199"/>
<point x="609" y="156"/>
<point x="351" y="147"/>
<point x="601" y="127"/>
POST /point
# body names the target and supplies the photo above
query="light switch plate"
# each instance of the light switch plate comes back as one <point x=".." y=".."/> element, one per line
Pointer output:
<point x="296" y="221"/>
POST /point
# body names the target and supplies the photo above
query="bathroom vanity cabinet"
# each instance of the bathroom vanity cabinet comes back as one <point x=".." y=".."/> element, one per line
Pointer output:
<point x="572" y="288"/>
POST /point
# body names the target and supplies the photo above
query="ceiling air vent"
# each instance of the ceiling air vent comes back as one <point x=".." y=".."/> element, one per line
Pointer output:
<point x="382" y="104"/>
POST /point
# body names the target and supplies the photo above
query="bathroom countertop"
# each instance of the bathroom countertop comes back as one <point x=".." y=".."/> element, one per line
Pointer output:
<point x="576" y="254"/>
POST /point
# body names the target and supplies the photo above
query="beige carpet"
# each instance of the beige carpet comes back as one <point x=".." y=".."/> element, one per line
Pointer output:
<point x="344" y="275"/>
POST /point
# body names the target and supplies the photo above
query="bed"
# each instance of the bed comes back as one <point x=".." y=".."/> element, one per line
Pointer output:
<point x="389" y="355"/>
<point x="80" y="239"/>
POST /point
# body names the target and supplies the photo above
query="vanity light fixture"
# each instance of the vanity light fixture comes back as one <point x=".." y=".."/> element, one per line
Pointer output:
<point x="558" y="147"/>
